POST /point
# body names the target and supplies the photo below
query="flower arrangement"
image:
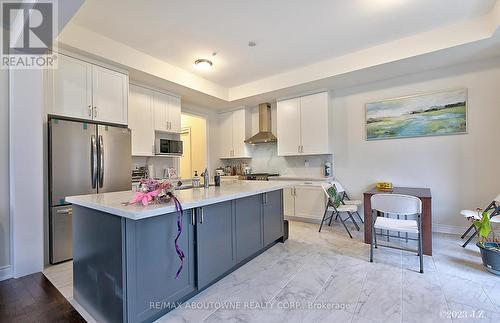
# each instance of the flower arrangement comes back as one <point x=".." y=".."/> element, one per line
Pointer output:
<point x="154" y="191"/>
<point x="151" y="190"/>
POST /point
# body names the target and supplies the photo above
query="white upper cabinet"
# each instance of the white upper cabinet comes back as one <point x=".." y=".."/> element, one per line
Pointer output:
<point x="79" y="89"/>
<point x="167" y="112"/>
<point x="71" y="90"/>
<point x="288" y="127"/>
<point x="314" y="124"/>
<point x="160" y="104"/>
<point x="110" y="95"/>
<point x="140" y="121"/>
<point x="174" y="114"/>
<point x="235" y="127"/>
<point x="226" y="135"/>
<point x="303" y="125"/>
<point x="242" y="128"/>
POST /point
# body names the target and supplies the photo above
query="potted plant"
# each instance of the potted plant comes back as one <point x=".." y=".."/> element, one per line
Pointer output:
<point x="488" y="245"/>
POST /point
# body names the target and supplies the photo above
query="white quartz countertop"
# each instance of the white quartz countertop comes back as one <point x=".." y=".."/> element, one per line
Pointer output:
<point x="113" y="203"/>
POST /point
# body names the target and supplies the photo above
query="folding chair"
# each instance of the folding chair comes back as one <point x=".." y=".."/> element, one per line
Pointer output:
<point x="402" y="205"/>
<point x="493" y="210"/>
<point x="334" y="204"/>
<point x="347" y="200"/>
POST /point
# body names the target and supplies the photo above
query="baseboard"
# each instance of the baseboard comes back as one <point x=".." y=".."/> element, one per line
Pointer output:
<point x="438" y="228"/>
<point x="5" y="273"/>
<point x="302" y="219"/>
<point x="451" y="229"/>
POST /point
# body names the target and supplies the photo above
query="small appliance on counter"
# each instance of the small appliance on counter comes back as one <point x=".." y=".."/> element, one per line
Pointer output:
<point x="220" y="172"/>
<point x="229" y="171"/>
<point x="328" y="169"/>
<point x="247" y="170"/>
<point x="139" y="173"/>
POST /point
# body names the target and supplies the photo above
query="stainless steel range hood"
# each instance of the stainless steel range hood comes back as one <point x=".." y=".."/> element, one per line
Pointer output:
<point x="264" y="135"/>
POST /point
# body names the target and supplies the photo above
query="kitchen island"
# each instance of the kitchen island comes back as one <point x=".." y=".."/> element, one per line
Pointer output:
<point x="124" y="259"/>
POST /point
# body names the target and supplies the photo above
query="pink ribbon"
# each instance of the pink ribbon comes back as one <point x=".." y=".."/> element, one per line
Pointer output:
<point x="144" y="198"/>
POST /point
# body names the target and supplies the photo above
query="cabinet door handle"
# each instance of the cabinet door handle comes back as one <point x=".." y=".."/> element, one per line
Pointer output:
<point x="95" y="112"/>
<point x="193" y="217"/>
<point x="90" y="110"/>
<point x="201" y="215"/>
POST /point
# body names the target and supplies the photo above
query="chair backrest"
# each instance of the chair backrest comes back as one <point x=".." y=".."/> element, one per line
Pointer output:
<point x="396" y="204"/>
<point x="325" y="187"/>
<point x="338" y="186"/>
<point x="335" y="201"/>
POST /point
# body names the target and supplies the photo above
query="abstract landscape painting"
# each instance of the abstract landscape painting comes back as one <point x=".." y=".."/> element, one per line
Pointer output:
<point x="438" y="113"/>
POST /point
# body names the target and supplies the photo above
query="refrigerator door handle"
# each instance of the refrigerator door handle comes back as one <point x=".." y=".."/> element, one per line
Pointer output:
<point x="93" y="160"/>
<point x="101" y="161"/>
<point x="65" y="211"/>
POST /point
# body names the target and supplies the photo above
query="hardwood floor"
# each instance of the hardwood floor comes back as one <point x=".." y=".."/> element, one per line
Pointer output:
<point x="33" y="298"/>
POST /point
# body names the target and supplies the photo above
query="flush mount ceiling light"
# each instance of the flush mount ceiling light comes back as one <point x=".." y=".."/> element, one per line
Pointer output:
<point x="203" y="64"/>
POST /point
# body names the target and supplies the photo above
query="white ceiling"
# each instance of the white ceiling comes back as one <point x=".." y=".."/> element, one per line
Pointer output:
<point x="289" y="34"/>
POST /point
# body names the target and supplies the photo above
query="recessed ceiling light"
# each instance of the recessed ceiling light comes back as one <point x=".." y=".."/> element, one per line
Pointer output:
<point x="203" y="64"/>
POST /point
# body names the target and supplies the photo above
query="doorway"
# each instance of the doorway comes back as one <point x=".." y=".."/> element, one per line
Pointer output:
<point x="186" y="165"/>
<point x="194" y="138"/>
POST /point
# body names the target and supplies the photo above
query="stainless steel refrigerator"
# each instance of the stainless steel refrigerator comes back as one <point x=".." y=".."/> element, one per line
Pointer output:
<point x="84" y="158"/>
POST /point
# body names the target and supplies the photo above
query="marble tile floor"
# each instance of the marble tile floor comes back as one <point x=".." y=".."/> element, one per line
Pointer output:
<point x="326" y="277"/>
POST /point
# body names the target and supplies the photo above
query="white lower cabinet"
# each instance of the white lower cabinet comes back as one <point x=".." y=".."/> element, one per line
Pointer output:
<point x="289" y="201"/>
<point x="304" y="201"/>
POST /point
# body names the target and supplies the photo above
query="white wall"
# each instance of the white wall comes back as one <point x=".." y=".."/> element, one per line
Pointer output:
<point x="461" y="170"/>
<point x="26" y="170"/>
<point x="4" y="174"/>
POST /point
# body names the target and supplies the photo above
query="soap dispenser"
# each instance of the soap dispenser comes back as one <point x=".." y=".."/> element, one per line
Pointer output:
<point x="196" y="179"/>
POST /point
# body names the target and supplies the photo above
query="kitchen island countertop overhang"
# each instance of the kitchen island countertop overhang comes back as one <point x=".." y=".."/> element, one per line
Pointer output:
<point x="114" y="203"/>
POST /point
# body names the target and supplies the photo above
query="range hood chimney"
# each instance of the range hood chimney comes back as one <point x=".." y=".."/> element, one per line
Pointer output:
<point x="264" y="135"/>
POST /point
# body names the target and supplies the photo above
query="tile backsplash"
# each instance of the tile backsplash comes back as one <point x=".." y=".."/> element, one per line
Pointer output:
<point x="265" y="160"/>
<point x="159" y="163"/>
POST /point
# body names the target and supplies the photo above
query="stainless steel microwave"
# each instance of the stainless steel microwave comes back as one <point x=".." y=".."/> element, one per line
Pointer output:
<point x="168" y="147"/>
